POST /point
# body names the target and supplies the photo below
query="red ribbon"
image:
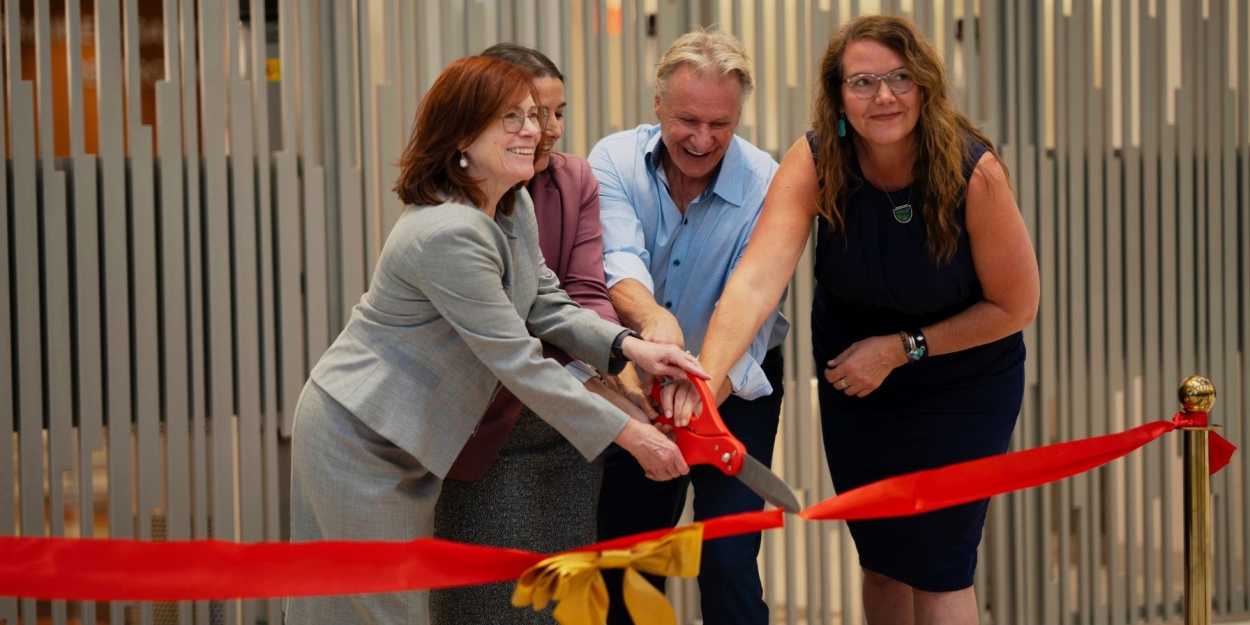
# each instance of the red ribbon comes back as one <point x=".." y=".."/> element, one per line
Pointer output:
<point x="934" y="489"/>
<point x="131" y="570"/>
<point x="125" y="570"/>
<point x="718" y="527"/>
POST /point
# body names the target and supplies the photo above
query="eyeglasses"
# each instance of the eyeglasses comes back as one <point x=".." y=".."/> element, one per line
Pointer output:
<point x="514" y="120"/>
<point x="866" y="85"/>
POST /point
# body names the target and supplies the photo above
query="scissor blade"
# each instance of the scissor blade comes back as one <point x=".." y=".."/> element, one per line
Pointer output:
<point x="766" y="484"/>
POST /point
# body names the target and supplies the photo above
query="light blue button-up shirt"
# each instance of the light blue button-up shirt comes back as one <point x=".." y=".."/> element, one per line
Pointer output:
<point x="685" y="260"/>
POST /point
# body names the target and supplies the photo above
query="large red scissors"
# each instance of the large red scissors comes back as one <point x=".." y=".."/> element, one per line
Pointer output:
<point x="706" y="440"/>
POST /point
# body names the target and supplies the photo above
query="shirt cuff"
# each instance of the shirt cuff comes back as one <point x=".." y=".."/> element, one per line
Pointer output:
<point x="621" y="265"/>
<point x="580" y="370"/>
<point x="748" y="380"/>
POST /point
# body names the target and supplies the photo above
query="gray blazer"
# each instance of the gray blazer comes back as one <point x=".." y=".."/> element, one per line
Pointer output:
<point x="453" y="310"/>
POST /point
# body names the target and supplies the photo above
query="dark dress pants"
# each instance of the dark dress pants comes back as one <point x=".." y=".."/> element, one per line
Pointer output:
<point x="729" y="577"/>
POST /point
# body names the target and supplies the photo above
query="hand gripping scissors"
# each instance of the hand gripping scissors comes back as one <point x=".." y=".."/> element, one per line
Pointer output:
<point x="706" y="440"/>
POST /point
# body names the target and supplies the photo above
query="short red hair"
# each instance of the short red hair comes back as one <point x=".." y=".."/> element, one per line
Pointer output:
<point x="470" y="94"/>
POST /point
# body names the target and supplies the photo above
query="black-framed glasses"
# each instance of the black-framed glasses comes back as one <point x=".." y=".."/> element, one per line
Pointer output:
<point x="514" y="120"/>
<point x="864" y="86"/>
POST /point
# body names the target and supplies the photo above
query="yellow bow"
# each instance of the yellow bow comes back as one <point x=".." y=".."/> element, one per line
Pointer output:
<point x="573" y="579"/>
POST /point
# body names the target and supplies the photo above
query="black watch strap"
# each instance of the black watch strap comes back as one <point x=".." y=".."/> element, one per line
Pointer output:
<point x="617" y="351"/>
<point x="617" y="359"/>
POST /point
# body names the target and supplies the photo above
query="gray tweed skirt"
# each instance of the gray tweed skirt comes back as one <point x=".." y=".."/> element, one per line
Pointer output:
<point x="540" y="495"/>
<point x="350" y="483"/>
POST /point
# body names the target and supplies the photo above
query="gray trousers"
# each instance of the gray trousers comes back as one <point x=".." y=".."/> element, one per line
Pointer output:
<point x="349" y="483"/>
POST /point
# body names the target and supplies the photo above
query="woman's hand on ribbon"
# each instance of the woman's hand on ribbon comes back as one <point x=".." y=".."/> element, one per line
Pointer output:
<point x="861" y="368"/>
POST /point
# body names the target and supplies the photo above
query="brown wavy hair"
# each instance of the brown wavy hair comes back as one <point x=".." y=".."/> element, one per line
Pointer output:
<point x="470" y="94"/>
<point x="942" y="132"/>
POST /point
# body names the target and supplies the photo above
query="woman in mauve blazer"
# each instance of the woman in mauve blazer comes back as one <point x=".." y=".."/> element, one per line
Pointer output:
<point x="458" y="295"/>
<point x="518" y="483"/>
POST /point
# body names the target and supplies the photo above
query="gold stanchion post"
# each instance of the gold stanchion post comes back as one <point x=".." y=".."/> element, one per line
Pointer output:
<point x="1197" y="396"/>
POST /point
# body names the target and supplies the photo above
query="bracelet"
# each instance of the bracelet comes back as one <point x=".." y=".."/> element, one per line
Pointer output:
<point x="914" y="345"/>
<point x="921" y="343"/>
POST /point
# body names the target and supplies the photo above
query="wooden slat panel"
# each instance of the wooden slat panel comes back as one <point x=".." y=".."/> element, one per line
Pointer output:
<point x="270" y="497"/>
<point x="1030" y="582"/>
<point x="1243" y="139"/>
<point x="146" y="365"/>
<point x="630" y="69"/>
<point x="56" y="286"/>
<point x="1069" y="336"/>
<point x="393" y="113"/>
<point x="316" y="268"/>
<point x="370" y="104"/>
<point x="1099" y="396"/>
<point x="1122" y="217"/>
<point x="272" y="494"/>
<point x="998" y="533"/>
<point x="216" y="59"/>
<point x="290" y="307"/>
<point x="1152" y="143"/>
<point x="409" y="68"/>
<point x="27" y="308"/>
<point x="1049" y="256"/>
<point x="218" y="305"/>
<point x="112" y="167"/>
<point x="1215" y="68"/>
<point x="645" y="76"/>
<point x="1179" y="214"/>
<point x="115" y="267"/>
<point x="244" y="291"/>
<point x="173" y="262"/>
<point x="350" y="231"/>
<point x="198" y="362"/>
<point x="315" y="265"/>
<point x="609" y="90"/>
<point x="1134" y="203"/>
<point x="8" y="379"/>
<point x="85" y="279"/>
<point x="175" y="339"/>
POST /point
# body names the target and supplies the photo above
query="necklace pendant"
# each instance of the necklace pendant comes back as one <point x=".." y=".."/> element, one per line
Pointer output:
<point x="903" y="214"/>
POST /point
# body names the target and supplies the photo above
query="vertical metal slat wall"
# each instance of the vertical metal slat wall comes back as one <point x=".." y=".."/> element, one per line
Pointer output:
<point x="194" y="202"/>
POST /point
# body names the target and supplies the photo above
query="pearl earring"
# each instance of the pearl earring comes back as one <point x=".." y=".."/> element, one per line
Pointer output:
<point x="464" y="163"/>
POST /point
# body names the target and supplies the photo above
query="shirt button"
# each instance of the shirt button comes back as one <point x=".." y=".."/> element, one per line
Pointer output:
<point x="676" y="263"/>
<point x="685" y="220"/>
<point x="668" y="304"/>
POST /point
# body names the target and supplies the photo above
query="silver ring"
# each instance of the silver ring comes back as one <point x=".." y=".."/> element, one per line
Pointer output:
<point x="842" y="382"/>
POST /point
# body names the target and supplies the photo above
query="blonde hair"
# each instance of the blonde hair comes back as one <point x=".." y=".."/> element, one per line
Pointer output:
<point x="709" y="52"/>
<point x="942" y="131"/>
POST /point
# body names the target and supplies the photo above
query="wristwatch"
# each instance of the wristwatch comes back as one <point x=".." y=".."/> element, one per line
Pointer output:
<point x="617" y="353"/>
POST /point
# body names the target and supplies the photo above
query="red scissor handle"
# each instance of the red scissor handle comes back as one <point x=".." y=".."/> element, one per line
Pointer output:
<point x="706" y="440"/>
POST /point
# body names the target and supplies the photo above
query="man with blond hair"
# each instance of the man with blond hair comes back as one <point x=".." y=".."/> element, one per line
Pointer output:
<point x="678" y="203"/>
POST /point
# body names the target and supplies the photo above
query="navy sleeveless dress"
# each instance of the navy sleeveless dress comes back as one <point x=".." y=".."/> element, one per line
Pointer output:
<point x="876" y="278"/>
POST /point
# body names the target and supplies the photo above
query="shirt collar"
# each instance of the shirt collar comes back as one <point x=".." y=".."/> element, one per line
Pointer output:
<point x="730" y="188"/>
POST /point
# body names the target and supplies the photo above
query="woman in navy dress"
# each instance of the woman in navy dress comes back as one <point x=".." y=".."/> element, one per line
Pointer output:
<point x="925" y="279"/>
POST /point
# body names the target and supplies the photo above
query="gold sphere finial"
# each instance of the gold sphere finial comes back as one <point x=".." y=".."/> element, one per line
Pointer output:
<point x="1196" y="394"/>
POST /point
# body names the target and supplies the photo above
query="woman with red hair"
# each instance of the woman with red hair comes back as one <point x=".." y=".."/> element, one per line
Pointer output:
<point x="456" y="309"/>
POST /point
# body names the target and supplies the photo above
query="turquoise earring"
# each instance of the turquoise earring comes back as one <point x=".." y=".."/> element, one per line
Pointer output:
<point x="841" y="125"/>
